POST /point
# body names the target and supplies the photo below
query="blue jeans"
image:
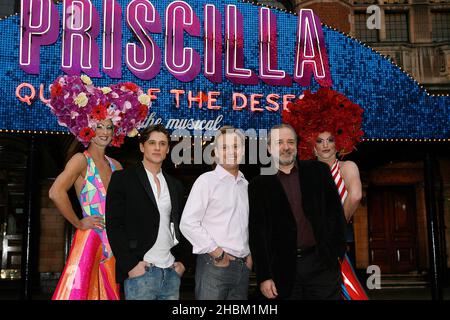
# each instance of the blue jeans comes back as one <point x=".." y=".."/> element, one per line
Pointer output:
<point x="221" y="283"/>
<point x="155" y="284"/>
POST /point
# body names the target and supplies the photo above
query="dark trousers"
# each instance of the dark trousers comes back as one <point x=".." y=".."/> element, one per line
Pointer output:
<point x="315" y="280"/>
<point x="220" y="283"/>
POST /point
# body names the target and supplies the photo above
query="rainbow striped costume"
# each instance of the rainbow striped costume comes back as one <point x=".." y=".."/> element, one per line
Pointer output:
<point x="89" y="273"/>
<point x="351" y="288"/>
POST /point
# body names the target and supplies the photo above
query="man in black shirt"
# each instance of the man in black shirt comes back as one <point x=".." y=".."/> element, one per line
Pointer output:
<point x="296" y="225"/>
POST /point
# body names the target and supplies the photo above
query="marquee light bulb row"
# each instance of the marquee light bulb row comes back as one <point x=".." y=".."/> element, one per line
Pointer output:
<point x="251" y="138"/>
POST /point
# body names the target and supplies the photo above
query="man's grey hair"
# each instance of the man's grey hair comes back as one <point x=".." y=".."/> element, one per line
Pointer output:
<point x="281" y="126"/>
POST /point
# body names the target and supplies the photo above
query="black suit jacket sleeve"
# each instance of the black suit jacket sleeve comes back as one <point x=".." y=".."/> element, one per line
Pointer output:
<point x="183" y="249"/>
<point x="115" y="223"/>
<point x="259" y="232"/>
<point x="335" y="215"/>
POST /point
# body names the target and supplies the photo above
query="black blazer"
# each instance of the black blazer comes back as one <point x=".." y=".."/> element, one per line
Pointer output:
<point x="132" y="217"/>
<point x="273" y="229"/>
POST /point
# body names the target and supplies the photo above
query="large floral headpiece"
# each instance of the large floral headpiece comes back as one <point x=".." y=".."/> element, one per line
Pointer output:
<point x="79" y="106"/>
<point x="325" y="110"/>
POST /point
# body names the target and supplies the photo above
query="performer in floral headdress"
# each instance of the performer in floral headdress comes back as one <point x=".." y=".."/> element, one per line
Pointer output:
<point x="329" y="125"/>
<point x="98" y="117"/>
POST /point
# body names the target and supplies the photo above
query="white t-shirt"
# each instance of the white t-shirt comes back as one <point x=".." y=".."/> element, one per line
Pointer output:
<point x="160" y="254"/>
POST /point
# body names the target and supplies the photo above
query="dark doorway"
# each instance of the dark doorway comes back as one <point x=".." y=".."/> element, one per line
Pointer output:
<point x="392" y="228"/>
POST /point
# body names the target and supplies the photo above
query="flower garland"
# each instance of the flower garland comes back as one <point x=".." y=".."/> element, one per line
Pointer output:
<point x="79" y="106"/>
<point x="325" y="110"/>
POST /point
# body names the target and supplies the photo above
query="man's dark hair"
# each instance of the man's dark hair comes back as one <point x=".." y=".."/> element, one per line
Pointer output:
<point x="144" y="135"/>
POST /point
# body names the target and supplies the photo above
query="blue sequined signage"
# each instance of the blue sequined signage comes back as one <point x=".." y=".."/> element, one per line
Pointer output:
<point x="205" y="64"/>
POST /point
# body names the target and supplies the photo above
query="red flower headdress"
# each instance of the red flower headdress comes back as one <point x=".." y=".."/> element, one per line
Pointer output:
<point x="79" y="106"/>
<point x="325" y="110"/>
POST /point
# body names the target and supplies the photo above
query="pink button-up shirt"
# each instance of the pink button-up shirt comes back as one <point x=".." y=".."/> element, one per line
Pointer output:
<point x="216" y="213"/>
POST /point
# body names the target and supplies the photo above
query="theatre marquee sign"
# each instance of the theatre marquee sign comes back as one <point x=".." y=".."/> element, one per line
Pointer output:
<point x="203" y="63"/>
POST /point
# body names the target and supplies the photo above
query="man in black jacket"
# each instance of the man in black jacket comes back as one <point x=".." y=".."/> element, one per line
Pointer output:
<point x="296" y="225"/>
<point x="143" y="210"/>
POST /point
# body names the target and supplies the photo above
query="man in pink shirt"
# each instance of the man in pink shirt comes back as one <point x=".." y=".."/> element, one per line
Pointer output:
<point x="215" y="221"/>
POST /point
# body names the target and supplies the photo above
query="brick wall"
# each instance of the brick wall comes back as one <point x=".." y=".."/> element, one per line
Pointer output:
<point x="360" y="227"/>
<point x="51" y="244"/>
<point x="333" y="14"/>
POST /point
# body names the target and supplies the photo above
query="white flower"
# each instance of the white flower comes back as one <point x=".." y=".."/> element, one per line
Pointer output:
<point x="86" y="79"/>
<point x="113" y="114"/>
<point x="106" y="90"/>
<point x="74" y="114"/>
<point x="127" y="105"/>
<point x="114" y="95"/>
<point x="81" y="100"/>
<point x="144" y="99"/>
<point x="132" y="133"/>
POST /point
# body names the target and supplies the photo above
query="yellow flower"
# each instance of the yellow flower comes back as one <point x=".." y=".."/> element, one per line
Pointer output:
<point x="144" y="99"/>
<point x="86" y="79"/>
<point x="106" y="90"/>
<point x="81" y="100"/>
<point x="132" y="133"/>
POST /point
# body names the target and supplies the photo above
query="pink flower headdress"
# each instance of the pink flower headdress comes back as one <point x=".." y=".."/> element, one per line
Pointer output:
<point x="79" y="106"/>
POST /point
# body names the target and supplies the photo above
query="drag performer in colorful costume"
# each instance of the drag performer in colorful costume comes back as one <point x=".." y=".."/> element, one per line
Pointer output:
<point x="327" y="124"/>
<point x="98" y="117"/>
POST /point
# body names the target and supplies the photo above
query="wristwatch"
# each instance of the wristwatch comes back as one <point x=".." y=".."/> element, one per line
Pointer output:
<point x="220" y="258"/>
